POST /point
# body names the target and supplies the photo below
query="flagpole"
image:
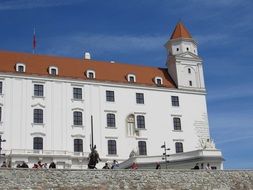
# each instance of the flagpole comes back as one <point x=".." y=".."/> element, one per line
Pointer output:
<point x="34" y="39"/>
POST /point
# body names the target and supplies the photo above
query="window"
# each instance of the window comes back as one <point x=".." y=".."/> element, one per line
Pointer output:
<point x="177" y="123"/>
<point x="110" y="120"/>
<point x="139" y="98"/>
<point x="140" y="122"/>
<point x="20" y="67"/>
<point x="175" y="100"/>
<point x="90" y="74"/>
<point x="177" y="49"/>
<point x="38" y="116"/>
<point x="38" y="90"/>
<point x="1" y="87"/>
<point x="78" y="118"/>
<point x="0" y="114"/>
<point x="109" y="96"/>
<point x="38" y="143"/>
<point x="53" y="71"/>
<point x="131" y="78"/>
<point x="158" y="81"/>
<point x="77" y="93"/>
<point x="179" y="147"/>
<point x="142" y="148"/>
<point x="190" y="83"/>
<point x="187" y="49"/>
<point x="112" y="148"/>
<point x="78" y="145"/>
<point x="189" y="71"/>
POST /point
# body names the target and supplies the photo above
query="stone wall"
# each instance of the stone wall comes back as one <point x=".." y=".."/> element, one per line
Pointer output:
<point x="125" y="179"/>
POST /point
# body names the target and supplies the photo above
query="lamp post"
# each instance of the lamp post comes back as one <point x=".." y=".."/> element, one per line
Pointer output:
<point x="165" y="153"/>
<point x="1" y="140"/>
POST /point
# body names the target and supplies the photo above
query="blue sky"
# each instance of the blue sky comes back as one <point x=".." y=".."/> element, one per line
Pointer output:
<point x="135" y="31"/>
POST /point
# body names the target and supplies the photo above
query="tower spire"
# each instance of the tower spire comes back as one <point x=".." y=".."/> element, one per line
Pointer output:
<point x="180" y="31"/>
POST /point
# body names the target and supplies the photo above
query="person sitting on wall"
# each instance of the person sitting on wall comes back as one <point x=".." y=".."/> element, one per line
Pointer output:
<point x="52" y="165"/>
<point x="196" y="167"/>
<point x="115" y="164"/>
<point x="35" y="166"/>
<point x="24" y="165"/>
<point x="208" y="166"/>
<point x="134" y="166"/>
<point x="40" y="165"/>
<point x="158" y="166"/>
<point x="106" y="166"/>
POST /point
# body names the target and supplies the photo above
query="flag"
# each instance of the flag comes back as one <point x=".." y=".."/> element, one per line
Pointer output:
<point x="34" y="40"/>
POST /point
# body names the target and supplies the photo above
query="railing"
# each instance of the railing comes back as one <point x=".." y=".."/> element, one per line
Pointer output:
<point x="44" y="152"/>
<point x="172" y="157"/>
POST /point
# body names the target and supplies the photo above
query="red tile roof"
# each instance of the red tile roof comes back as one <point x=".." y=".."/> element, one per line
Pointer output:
<point x="76" y="68"/>
<point x="180" y="31"/>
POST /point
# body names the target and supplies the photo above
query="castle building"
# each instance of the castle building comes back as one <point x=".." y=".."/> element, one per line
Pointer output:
<point x="51" y="107"/>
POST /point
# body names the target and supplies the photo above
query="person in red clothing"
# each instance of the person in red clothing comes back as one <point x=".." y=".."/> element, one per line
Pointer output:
<point x="134" y="166"/>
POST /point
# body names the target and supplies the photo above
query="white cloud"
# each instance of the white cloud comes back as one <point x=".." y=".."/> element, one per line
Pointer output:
<point x="29" y="4"/>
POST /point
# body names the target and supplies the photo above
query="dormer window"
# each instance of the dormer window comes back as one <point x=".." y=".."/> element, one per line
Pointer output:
<point x="131" y="78"/>
<point x="53" y="71"/>
<point x="20" y="67"/>
<point x="158" y="81"/>
<point x="90" y="74"/>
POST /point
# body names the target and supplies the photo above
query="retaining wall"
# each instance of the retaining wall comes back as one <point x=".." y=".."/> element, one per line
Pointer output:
<point x="125" y="179"/>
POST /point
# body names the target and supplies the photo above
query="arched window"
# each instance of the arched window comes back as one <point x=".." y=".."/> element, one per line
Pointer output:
<point x="77" y="118"/>
<point x="189" y="71"/>
<point x="142" y="148"/>
<point x="131" y="78"/>
<point x="20" y="67"/>
<point x="90" y="74"/>
<point x="53" y="70"/>
<point x="158" y="81"/>
<point x="38" y="143"/>
<point x="177" y="123"/>
<point x="112" y="147"/>
<point x="110" y="120"/>
<point x="179" y="147"/>
<point x="38" y="116"/>
<point x="140" y="122"/>
<point x="78" y="145"/>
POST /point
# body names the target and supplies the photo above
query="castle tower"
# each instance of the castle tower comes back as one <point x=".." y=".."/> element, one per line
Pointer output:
<point x="184" y="64"/>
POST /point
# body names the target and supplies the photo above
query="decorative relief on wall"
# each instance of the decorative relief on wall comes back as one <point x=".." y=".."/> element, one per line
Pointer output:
<point x="202" y="131"/>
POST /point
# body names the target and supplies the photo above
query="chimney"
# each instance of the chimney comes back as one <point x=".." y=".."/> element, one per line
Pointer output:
<point x="87" y="55"/>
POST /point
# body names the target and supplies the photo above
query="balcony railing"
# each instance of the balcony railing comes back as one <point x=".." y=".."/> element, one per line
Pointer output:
<point x="44" y="152"/>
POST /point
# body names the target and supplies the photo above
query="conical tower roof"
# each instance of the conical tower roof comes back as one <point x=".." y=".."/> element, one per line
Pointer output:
<point x="180" y="31"/>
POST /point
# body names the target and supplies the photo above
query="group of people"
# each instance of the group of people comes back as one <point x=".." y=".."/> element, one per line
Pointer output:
<point x="39" y="165"/>
<point x="115" y="165"/>
<point x="207" y="167"/>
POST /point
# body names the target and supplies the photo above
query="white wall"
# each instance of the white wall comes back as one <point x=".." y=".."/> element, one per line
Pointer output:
<point x="58" y="105"/>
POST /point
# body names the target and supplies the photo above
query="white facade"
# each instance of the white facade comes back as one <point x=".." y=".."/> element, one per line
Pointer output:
<point x="58" y="104"/>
